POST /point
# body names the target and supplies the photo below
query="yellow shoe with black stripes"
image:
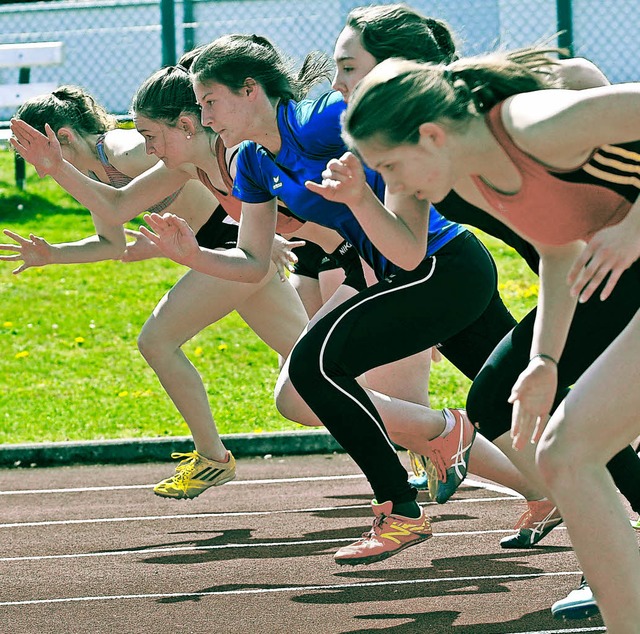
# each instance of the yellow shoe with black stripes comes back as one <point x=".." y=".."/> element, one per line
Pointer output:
<point x="194" y="475"/>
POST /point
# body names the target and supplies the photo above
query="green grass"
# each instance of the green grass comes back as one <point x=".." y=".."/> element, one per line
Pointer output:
<point x="70" y="368"/>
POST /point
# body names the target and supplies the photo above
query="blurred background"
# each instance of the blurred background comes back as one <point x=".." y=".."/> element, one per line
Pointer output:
<point x="111" y="46"/>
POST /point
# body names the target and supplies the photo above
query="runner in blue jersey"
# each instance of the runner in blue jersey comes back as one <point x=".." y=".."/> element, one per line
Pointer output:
<point x="441" y="290"/>
<point x="310" y="136"/>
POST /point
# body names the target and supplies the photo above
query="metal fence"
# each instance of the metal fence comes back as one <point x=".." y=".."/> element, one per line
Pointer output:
<point x="111" y="46"/>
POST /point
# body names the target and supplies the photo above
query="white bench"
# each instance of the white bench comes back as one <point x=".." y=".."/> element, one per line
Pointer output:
<point x="24" y="57"/>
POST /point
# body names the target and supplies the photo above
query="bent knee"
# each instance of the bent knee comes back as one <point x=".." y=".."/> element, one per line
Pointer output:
<point x="152" y="345"/>
<point x="290" y="405"/>
<point x="558" y="462"/>
<point x="285" y="398"/>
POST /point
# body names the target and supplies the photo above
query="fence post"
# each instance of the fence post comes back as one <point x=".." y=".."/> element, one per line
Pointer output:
<point x="564" y="11"/>
<point x="168" y="19"/>
<point x="20" y="166"/>
<point x="188" y="28"/>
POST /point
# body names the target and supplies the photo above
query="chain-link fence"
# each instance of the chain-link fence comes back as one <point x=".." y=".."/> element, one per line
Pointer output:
<point x="111" y="46"/>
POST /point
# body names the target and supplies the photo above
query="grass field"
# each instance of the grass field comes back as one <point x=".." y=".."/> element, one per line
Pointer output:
<point x="70" y="368"/>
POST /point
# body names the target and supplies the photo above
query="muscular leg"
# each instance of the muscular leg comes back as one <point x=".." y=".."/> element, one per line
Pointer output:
<point x="572" y="457"/>
<point x="431" y="423"/>
<point x="594" y="326"/>
<point x="195" y="302"/>
<point x="399" y="392"/>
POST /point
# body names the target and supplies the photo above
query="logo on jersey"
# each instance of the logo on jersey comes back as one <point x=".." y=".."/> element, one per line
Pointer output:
<point x="276" y="182"/>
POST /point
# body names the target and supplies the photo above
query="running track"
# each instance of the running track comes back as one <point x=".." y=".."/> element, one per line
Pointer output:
<point x="91" y="549"/>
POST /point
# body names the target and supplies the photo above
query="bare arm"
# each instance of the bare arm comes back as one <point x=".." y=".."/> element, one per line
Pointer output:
<point x="398" y="228"/>
<point x="561" y="127"/>
<point x="108" y="243"/>
<point x="249" y="262"/>
<point x="579" y="73"/>
<point x="114" y="206"/>
<point x="533" y="393"/>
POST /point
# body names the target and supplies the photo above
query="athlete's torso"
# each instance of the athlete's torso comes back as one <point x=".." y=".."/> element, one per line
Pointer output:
<point x="219" y="230"/>
<point x="310" y="137"/>
<point x="456" y="209"/>
<point x="118" y="179"/>
<point x="558" y="206"/>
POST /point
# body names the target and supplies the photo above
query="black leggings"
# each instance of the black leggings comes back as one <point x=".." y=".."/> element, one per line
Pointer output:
<point x="406" y="313"/>
<point x="595" y="325"/>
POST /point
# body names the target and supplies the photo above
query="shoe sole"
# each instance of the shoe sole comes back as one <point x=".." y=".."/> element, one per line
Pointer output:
<point x="365" y="561"/>
<point x="183" y="495"/>
<point x="445" y="489"/>
<point x="573" y="613"/>
<point x="514" y="543"/>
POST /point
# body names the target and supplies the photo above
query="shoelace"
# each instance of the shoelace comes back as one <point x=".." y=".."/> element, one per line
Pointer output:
<point x="375" y="528"/>
<point x="185" y="467"/>
<point x="527" y="518"/>
<point x="417" y="463"/>
<point x="186" y="457"/>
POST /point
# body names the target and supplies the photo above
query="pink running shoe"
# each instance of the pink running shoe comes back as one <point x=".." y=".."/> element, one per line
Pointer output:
<point x="389" y="535"/>
<point x="540" y="518"/>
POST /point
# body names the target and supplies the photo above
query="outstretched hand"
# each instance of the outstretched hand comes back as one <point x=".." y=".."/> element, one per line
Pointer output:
<point x="532" y="399"/>
<point x="42" y="151"/>
<point x="34" y="251"/>
<point x="140" y="249"/>
<point x="283" y="256"/>
<point x="343" y="181"/>
<point x="172" y="235"/>
<point x="609" y="253"/>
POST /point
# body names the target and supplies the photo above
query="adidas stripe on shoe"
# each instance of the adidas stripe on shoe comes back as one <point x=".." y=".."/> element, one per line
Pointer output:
<point x="194" y="475"/>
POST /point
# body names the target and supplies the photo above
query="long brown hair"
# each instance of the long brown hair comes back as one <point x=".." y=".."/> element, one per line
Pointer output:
<point x="67" y="106"/>
<point x="168" y="93"/>
<point x="398" y="95"/>
<point x="397" y="30"/>
<point x="232" y="59"/>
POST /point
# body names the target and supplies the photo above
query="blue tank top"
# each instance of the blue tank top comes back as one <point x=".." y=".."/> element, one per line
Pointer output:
<point x="310" y="134"/>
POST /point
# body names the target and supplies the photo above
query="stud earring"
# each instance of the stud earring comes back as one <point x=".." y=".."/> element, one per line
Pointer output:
<point x="188" y="136"/>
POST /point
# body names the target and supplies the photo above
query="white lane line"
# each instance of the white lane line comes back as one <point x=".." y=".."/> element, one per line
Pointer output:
<point x="127" y="487"/>
<point x="331" y="587"/>
<point x="490" y="486"/>
<point x="232" y="546"/>
<point x="574" y="630"/>
<point x="182" y="516"/>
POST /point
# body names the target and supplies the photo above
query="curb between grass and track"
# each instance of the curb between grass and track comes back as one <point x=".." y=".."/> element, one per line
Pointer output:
<point x="123" y="451"/>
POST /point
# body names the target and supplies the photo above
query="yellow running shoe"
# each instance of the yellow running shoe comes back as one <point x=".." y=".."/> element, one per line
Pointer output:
<point x="195" y="474"/>
<point x="425" y="474"/>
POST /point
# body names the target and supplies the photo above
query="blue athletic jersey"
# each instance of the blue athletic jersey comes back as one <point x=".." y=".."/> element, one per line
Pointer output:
<point x="310" y="133"/>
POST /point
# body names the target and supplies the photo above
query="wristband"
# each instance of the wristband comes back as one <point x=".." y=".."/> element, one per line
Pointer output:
<point x="542" y="355"/>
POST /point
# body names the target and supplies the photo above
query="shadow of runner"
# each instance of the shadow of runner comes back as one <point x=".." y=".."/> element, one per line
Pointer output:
<point x="466" y="575"/>
<point x="442" y="622"/>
